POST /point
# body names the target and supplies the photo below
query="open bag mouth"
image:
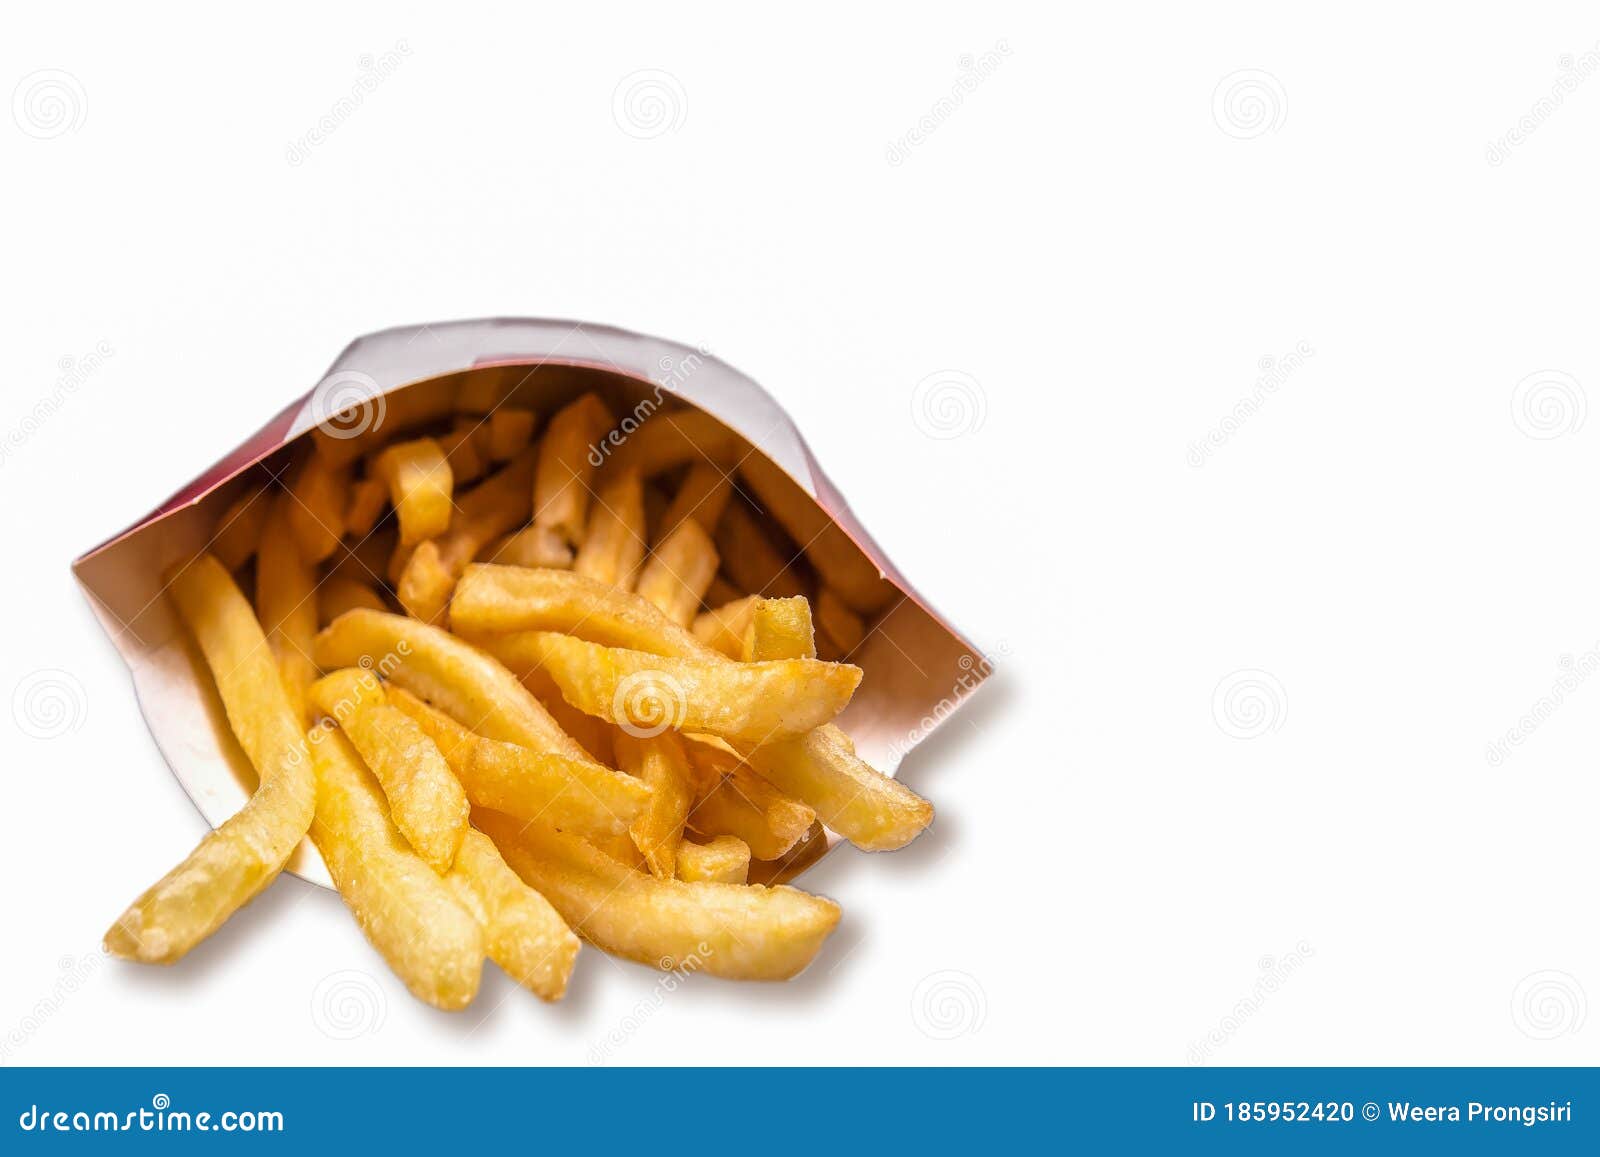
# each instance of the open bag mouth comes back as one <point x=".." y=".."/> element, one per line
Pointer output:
<point x="917" y="669"/>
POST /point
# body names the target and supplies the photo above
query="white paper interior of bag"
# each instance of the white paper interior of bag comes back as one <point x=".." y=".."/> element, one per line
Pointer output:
<point x="917" y="669"/>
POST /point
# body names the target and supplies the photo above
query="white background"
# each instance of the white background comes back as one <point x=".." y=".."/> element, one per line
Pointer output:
<point x="1401" y="541"/>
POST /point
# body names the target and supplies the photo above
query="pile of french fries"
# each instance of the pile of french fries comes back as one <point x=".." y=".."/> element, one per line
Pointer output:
<point x="518" y="692"/>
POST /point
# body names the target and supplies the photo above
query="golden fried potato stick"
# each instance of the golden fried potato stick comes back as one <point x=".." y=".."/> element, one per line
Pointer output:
<point x="842" y="629"/>
<point x="510" y="432"/>
<point x="407" y="912"/>
<point x="754" y="561"/>
<point x="779" y="629"/>
<point x="524" y="935"/>
<point x="723" y="860"/>
<point x="842" y="564"/>
<point x="426" y="801"/>
<point x="675" y="438"/>
<point x="594" y="735"/>
<point x="343" y="592"/>
<point x="732" y="800"/>
<point x="369" y="498"/>
<point x="238" y="859"/>
<point x="702" y="495"/>
<point x="866" y="807"/>
<point x="316" y="514"/>
<point x="532" y="546"/>
<point x="482" y="515"/>
<point x="648" y="694"/>
<point x="863" y="805"/>
<point x="453" y="675"/>
<point x="286" y="604"/>
<point x="420" y="486"/>
<point x="614" y="539"/>
<point x="561" y="487"/>
<point x="740" y="933"/>
<point x="723" y="628"/>
<point x="679" y="572"/>
<point x="238" y="530"/>
<point x="381" y="420"/>
<point x="575" y="795"/>
<point x="461" y="450"/>
<point x="500" y="599"/>
<point x="661" y="764"/>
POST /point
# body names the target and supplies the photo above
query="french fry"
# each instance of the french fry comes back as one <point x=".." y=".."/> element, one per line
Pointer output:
<point x="614" y="537"/>
<point x="426" y="801"/>
<point x="651" y="693"/>
<point x="368" y="560"/>
<point x="532" y="546"/>
<point x="500" y="599"/>
<point x="316" y="512"/>
<point x="454" y="676"/>
<point x="523" y="934"/>
<point x="677" y="437"/>
<point x="779" y="629"/>
<point x="510" y="432"/>
<point x="724" y="628"/>
<point x="678" y="573"/>
<point x="234" y="862"/>
<point x="239" y="529"/>
<point x="594" y="735"/>
<point x="730" y="799"/>
<point x="407" y="912"/>
<point x="286" y="604"/>
<point x="339" y="593"/>
<point x="461" y="451"/>
<point x="841" y="628"/>
<point x="702" y="495"/>
<point x="369" y="498"/>
<point x="561" y="487"/>
<point x="866" y="807"/>
<point x="481" y="391"/>
<point x="482" y="515"/>
<point x="836" y="558"/>
<point x="420" y="485"/>
<point x="723" y="860"/>
<point x="863" y="805"/>
<point x="575" y="795"/>
<point x="740" y="933"/>
<point x="754" y="561"/>
<point x="661" y="764"/>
